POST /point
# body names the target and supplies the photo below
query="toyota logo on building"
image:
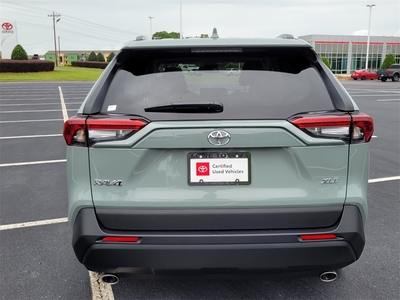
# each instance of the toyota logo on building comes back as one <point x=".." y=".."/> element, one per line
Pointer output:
<point x="7" y="26"/>
<point x="219" y="138"/>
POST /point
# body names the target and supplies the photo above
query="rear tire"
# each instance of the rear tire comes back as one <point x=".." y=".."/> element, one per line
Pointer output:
<point x="355" y="78"/>
<point x="383" y="79"/>
<point x="395" y="77"/>
<point x="362" y="77"/>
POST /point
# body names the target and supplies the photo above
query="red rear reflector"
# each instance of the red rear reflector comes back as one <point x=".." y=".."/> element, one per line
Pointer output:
<point x="312" y="237"/>
<point x="121" y="239"/>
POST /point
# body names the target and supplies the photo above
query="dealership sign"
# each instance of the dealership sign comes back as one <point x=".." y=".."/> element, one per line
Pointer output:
<point x="7" y="27"/>
<point x="9" y="38"/>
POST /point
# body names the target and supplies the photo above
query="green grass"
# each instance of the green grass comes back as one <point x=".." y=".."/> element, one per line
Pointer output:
<point x="59" y="74"/>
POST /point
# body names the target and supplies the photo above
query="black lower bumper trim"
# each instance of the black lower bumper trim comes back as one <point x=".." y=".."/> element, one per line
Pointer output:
<point x="232" y="252"/>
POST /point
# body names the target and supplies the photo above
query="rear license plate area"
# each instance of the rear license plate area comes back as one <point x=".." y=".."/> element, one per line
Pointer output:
<point x="219" y="168"/>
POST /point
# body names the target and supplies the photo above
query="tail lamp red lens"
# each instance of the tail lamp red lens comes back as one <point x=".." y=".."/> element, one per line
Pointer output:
<point x="315" y="237"/>
<point x="355" y="128"/>
<point x="121" y="239"/>
<point x="79" y="131"/>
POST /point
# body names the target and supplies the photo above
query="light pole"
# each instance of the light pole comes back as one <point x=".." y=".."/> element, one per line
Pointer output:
<point x="369" y="28"/>
<point x="151" y="28"/>
<point x="180" y="20"/>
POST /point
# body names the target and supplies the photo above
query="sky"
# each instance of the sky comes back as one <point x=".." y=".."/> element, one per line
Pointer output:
<point x="108" y="24"/>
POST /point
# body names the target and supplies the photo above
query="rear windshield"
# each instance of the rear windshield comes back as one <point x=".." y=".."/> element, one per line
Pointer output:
<point x="249" y="85"/>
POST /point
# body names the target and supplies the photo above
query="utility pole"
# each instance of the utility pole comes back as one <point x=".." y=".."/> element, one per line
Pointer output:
<point x="59" y="48"/>
<point x="54" y="16"/>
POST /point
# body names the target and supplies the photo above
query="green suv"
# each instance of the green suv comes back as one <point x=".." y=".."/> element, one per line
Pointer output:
<point x="265" y="172"/>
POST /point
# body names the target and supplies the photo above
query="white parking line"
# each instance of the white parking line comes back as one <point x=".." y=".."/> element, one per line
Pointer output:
<point x="30" y="111"/>
<point x="28" y="121"/>
<point x="384" y="179"/>
<point x="29" y="136"/>
<point x="100" y="290"/>
<point x="31" y="104"/>
<point x="63" y="107"/>
<point x="32" y="224"/>
<point x="33" y="163"/>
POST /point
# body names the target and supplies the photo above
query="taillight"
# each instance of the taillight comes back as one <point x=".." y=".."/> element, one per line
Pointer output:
<point x="74" y="131"/>
<point x="351" y="128"/>
<point x="78" y="131"/>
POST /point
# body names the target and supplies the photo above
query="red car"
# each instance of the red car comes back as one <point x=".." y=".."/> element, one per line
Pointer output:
<point x="364" y="74"/>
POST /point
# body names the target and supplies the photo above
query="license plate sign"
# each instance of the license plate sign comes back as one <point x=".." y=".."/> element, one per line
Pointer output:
<point x="222" y="168"/>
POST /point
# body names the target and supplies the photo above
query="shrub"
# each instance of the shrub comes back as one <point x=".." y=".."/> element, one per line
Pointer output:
<point x="19" y="53"/>
<point x="92" y="57"/>
<point x="110" y="57"/>
<point x="389" y="60"/>
<point x="89" y="64"/>
<point x="326" y="62"/>
<point x="25" y="66"/>
<point x="100" y="57"/>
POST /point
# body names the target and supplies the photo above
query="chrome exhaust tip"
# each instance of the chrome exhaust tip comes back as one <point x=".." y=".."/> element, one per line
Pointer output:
<point x="109" y="278"/>
<point x="328" y="276"/>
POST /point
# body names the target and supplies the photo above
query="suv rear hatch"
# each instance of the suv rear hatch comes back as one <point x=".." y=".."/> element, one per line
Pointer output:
<point x="264" y="150"/>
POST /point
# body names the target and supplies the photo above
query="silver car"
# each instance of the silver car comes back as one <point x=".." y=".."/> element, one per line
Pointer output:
<point x="265" y="172"/>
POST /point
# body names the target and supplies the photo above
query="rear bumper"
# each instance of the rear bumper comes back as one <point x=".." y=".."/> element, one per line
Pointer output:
<point x="261" y="251"/>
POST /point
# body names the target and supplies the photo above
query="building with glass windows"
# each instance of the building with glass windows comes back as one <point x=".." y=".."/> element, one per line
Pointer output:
<point x="347" y="53"/>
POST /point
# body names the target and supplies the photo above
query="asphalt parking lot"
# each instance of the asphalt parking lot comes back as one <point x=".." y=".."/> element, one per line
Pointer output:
<point x="36" y="257"/>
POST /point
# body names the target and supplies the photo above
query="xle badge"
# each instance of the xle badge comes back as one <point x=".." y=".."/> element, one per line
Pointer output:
<point x="108" y="182"/>
<point x="330" y="180"/>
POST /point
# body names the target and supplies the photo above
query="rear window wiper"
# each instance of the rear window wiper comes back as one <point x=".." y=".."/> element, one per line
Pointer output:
<point x="188" y="107"/>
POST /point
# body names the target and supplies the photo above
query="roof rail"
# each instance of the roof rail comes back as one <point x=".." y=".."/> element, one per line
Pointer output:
<point x="286" y="36"/>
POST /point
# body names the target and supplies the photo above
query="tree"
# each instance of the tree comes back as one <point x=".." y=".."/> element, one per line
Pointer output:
<point x="165" y="35"/>
<point x="389" y="60"/>
<point x="92" y="56"/>
<point x="110" y="57"/>
<point x="100" y="57"/>
<point x="326" y="62"/>
<point x="19" y="53"/>
<point x="204" y="35"/>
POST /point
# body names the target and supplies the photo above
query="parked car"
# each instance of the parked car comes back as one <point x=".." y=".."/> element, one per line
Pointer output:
<point x="264" y="175"/>
<point x="364" y="74"/>
<point x="35" y="56"/>
<point x="232" y="72"/>
<point x="392" y="73"/>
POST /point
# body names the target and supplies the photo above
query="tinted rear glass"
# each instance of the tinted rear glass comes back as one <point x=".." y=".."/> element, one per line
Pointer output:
<point x="250" y="85"/>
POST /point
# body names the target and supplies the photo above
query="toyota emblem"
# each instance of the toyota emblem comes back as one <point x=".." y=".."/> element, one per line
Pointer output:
<point x="219" y="138"/>
<point x="203" y="169"/>
<point x="7" y="26"/>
